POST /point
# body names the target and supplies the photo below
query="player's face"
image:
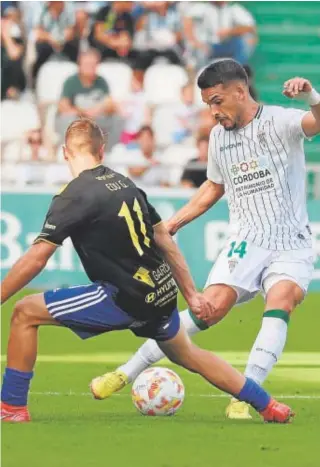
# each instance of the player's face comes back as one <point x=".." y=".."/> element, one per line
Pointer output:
<point x="226" y="104"/>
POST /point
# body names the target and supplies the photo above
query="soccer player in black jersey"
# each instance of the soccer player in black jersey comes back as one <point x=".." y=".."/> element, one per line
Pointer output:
<point x="134" y="267"/>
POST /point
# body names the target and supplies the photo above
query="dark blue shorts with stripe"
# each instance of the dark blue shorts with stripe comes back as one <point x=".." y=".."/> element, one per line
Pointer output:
<point x="89" y="310"/>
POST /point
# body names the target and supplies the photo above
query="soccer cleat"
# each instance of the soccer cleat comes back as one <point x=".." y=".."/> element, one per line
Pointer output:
<point x="13" y="414"/>
<point x="104" y="386"/>
<point x="238" y="410"/>
<point x="276" y="412"/>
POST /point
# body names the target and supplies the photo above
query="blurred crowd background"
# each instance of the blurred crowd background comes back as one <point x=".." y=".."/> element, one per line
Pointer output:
<point x="132" y="66"/>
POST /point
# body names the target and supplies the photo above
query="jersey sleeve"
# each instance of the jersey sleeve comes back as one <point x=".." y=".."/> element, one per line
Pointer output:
<point x="213" y="171"/>
<point x="154" y="215"/>
<point x="292" y="124"/>
<point x="66" y="213"/>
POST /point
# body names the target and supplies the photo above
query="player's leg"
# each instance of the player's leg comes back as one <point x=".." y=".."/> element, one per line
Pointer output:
<point x="223" y="296"/>
<point x="87" y="310"/>
<point x="219" y="373"/>
<point x="284" y="284"/>
<point x="29" y="313"/>
<point x="282" y="298"/>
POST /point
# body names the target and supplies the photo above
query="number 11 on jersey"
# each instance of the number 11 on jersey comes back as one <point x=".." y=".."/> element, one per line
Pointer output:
<point x="125" y="212"/>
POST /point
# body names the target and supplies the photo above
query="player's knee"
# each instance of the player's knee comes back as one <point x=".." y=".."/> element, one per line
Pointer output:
<point x="223" y="298"/>
<point x="287" y="304"/>
<point x="22" y="313"/>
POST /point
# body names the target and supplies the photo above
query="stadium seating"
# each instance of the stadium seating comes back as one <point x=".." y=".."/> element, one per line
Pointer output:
<point x="163" y="123"/>
<point x="55" y="73"/>
<point x="118" y="77"/>
<point x="17" y="118"/>
<point x="163" y="83"/>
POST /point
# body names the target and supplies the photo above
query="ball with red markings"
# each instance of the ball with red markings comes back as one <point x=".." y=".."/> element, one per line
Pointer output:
<point x="158" y="391"/>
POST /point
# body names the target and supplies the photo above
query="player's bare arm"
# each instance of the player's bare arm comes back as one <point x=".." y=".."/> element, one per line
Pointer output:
<point x="302" y="88"/>
<point x="207" y="195"/>
<point x="26" y="269"/>
<point x="180" y="271"/>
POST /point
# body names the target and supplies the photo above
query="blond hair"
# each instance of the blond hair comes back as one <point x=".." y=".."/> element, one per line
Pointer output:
<point x="84" y="136"/>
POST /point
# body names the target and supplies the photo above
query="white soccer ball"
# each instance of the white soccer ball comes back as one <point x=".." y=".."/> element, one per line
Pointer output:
<point x="158" y="391"/>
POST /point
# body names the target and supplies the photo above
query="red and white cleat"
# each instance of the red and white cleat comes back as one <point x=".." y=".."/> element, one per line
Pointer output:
<point x="276" y="412"/>
<point x="13" y="414"/>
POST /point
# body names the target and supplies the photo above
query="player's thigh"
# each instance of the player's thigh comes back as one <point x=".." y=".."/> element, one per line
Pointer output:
<point x="285" y="282"/>
<point x="32" y="310"/>
<point x="180" y="349"/>
<point x="236" y="276"/>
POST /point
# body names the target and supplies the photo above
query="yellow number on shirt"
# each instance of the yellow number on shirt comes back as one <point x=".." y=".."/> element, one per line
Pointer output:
<point x="125" y="212"/>
<point x="137" y="209"/>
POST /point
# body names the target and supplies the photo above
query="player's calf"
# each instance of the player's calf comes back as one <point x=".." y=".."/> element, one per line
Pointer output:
<point x="28" y="314"/>
<point x="222" y="375"/>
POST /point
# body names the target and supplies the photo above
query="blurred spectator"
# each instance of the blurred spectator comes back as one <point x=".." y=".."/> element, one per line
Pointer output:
<point x="30" y="12"/>
<point x="159" y="34"/>
<point x="235" y="31"/>
<point x="54" y="33"/>
<point x="113" y="30"/>
<point x="205" y="123"/>
<point x="82" y="28"/>
<point x="25" y="161"/>
<point x="198" y="33"/>
<point x="195" y="172"/>
<point x="145" y="164"/>
<point x="134" y="110"/>
<point x="186" y="114"/>
<point x="12" y="50"/>
<point x="31" y="148"/>
<point x="85" y="94"/>
<point x="217" y="29"/>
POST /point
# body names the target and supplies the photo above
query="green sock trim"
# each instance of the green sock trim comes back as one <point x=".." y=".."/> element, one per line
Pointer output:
<point x="201" y="324"/>
<point x="281" y="314"/>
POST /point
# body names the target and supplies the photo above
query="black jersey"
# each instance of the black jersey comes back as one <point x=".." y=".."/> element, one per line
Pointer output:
<point x="110" y="222"/>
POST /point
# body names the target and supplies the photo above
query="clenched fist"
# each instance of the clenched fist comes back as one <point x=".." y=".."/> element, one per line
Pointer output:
<point x="295" y="87"/>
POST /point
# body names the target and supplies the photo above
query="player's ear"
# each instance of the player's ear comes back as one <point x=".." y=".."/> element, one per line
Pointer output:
<point x="101" y="152"/>
<point x="241" y="92"/>
<point x="65" y="152"/>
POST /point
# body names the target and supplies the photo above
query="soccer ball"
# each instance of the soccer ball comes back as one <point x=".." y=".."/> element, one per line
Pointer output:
<point x="158" y="391"/>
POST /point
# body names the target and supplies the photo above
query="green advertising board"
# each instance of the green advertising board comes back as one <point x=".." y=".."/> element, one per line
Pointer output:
<point x="201" y="241"/>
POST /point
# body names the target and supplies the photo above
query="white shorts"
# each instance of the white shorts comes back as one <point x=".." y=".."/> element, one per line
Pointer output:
<point x="249" y="269"/>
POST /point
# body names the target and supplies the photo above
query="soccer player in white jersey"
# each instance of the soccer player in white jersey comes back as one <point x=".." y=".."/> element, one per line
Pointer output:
<point x="256" y="158"/>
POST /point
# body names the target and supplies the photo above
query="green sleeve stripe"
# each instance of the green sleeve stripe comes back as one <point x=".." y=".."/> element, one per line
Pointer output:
<point x="281" y="314"/>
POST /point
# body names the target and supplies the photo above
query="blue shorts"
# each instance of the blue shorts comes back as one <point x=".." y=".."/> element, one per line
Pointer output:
<point x="89" y="310"/>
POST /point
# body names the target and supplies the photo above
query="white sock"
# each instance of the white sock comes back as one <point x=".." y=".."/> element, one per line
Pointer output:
<point x="268" y="346"/>
<point x="150" y="353"/>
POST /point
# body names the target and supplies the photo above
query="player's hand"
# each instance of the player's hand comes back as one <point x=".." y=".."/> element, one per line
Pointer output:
<point x="201" y="307"/>
<point x="295" y="87"/>
<point x="171" y="227"/>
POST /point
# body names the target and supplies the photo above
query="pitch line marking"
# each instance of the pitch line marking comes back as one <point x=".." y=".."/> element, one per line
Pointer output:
<point x="209" y="396"/>
<point x="235" y="358"/>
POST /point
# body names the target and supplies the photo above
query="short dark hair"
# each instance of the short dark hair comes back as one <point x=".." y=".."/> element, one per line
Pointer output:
<point x="222" y="72"/>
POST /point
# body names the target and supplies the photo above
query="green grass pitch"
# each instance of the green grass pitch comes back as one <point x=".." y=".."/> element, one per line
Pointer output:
<point x="70" y="429"/>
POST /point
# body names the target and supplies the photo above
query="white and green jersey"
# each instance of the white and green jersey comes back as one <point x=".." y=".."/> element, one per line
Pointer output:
<point x="262" y="167"/>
